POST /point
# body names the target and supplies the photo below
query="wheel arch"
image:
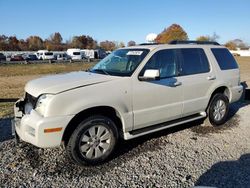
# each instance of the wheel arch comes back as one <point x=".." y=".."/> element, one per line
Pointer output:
<point x="222" y="89"/>
<point x="107" y="111"/>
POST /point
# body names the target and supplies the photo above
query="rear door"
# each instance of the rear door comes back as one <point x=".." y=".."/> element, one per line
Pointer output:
<point x="196" y="76"/>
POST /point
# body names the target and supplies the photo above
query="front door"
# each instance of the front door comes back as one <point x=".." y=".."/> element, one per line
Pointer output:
<point x="161" y="100"/>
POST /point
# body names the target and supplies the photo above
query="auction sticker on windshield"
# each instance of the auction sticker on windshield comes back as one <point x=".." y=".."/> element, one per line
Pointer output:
<point x="134" y="52"/>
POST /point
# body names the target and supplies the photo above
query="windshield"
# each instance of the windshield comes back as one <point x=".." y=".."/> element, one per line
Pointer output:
<point x="122" y="62"/>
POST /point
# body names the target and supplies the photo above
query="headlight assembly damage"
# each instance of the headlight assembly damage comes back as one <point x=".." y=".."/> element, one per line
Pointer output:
<point x="42" y="103"/>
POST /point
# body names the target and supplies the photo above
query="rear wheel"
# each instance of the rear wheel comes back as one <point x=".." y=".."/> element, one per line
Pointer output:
<point x="93" y="141"/>
<point x="218" y="109"/>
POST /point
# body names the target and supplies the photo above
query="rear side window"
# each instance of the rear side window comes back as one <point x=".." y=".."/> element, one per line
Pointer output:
<point x="76" y="53"/>
<point x="193" y="61"/>
<point x="224" y="58"/>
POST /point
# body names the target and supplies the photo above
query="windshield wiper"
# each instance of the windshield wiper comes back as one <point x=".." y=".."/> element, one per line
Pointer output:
<point x="100" y="70"/>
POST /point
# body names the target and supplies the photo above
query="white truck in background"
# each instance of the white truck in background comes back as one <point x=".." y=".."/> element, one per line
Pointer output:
<point x="75" y="53"/>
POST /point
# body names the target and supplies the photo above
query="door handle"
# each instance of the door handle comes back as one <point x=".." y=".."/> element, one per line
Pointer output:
<point x="177" y="83"/>
<point x="211" y="77"/>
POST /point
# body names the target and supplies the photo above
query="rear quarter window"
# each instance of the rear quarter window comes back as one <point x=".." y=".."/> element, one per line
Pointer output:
<point x="224" y="58"/>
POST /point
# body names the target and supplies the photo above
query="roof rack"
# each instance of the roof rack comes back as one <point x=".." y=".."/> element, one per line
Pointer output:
<point x="193" y="42"/>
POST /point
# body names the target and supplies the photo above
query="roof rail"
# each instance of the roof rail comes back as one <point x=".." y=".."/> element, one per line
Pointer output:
<point x="144" y="44"/>
<point x="193" y="42"/>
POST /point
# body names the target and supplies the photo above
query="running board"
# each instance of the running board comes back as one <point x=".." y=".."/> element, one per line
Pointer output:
<point x="161" y="126"/>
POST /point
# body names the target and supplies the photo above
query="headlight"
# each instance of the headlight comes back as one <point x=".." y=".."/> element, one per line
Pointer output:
<point x="42" y="103"/>
<point x="27" y="108"/>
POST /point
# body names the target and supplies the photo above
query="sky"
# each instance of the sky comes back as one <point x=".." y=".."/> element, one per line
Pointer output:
<point x="125" y="20"/>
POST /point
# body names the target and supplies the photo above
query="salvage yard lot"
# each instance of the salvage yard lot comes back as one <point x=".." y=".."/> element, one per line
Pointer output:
<point x="184" y="156"/>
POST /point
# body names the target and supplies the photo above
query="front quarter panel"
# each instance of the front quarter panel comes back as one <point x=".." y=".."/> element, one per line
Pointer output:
<point x="115" y="94"/>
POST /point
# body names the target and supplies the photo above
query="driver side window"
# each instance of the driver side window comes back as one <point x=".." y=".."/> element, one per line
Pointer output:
<point x="164" y="61"/>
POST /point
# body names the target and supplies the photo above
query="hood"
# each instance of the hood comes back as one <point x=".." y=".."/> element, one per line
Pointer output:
<point x="59" y="83"/>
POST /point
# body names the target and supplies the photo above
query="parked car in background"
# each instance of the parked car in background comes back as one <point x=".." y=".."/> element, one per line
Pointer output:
<point x="75" y="54"/>
<point x="100" y="54"/>
<point x="31" y="57"/>
<point x="8" y="57"/>
<point x="2" y="57"/>
<point x="45" y="55"/>
<point x="17" y="57"/>
<point x="62" y="56"/>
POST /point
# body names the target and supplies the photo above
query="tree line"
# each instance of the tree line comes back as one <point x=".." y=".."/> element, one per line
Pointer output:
<point x="55" y="41"/>
<point x="176" y="32"/>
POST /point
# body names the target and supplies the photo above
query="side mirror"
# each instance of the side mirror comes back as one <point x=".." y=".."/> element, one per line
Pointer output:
<point x="150" y="74"/>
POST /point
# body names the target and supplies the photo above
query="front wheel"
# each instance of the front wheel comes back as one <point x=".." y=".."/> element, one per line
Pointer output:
<point x="93" y="141"/>
<point x="218" y="109"/>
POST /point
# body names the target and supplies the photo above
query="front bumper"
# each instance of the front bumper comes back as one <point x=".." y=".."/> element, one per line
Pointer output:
<point x="31" y="128"/>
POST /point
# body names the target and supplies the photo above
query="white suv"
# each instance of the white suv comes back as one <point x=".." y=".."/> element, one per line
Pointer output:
<point x="132" y="92"/>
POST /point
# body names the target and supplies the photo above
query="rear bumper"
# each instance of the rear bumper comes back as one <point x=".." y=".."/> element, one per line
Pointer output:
<point x="31" y="128"/>
<point x="236" y="93"/>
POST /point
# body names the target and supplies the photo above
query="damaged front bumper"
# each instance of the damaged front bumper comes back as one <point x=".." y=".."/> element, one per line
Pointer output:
<point x="32" y="127"/>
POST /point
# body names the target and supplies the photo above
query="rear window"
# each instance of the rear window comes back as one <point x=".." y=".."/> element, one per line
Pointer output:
<point x="224" y="58"/>
<point x="76" y="53"/>
<point x="194" y="61"/>
<point x="48" y="53"/>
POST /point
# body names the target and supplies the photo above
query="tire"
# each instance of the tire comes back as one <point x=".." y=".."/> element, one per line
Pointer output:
<point x="218" y="109"/>
<point x="93" y="141"/>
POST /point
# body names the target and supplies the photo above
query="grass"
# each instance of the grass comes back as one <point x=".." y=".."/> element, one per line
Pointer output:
<point x="10" y="70"/>
<point x="6" y="109"/>
<point x="14" y="77"/>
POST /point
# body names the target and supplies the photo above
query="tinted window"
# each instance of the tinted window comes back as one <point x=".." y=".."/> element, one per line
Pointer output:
<point x="76" y="53"/>
<point x="224" y="58"/>
<point x="164" y="61"/>
<point x="194" y="61"/>
<point x="48" y="53"/>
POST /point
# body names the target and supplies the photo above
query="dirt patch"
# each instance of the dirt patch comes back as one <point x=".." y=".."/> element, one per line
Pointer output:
<point x="244" y="64"/>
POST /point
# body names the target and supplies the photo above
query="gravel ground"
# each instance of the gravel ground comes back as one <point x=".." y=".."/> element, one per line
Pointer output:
<point x="188" y="155"/>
